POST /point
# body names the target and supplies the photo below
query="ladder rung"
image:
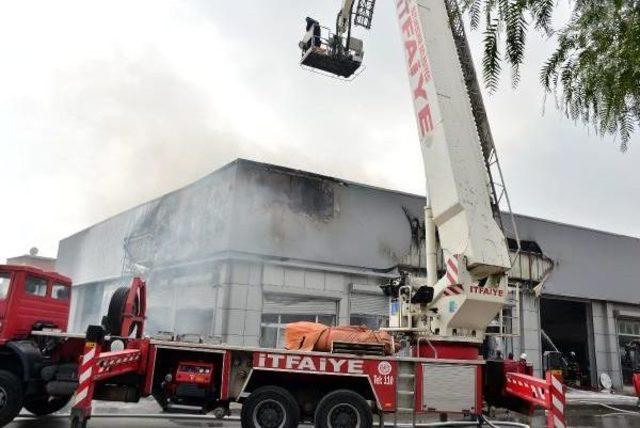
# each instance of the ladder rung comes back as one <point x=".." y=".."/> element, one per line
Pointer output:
<point x="406" y="376"/>
<point x="405" y="409"/>
<point x="403" y="392"/>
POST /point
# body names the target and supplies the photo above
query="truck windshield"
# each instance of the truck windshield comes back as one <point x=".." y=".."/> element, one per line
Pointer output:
<point x="5" y="278"/>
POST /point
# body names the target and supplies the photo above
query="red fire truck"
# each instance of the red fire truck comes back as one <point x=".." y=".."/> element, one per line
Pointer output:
<point x="42" y="368"/>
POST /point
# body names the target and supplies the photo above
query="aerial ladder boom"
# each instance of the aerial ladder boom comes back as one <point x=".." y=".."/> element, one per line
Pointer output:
<point x="476" y="258"/>
<point x="461" y="203"/>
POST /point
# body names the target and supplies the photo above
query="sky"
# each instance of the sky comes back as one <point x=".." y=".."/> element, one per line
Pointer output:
<point x="105" y="105"/>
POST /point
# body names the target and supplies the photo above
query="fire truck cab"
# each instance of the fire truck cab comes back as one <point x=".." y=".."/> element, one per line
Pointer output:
<point x="32" y="300"/>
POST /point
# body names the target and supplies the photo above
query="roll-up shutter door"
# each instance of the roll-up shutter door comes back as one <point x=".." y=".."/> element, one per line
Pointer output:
<point x="288" y="304"/>
<point x="369" y="304"/>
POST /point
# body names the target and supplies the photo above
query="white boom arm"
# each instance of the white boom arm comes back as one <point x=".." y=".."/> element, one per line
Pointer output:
<point x="457" y="179"/>
<point x="476" y="257"/>
<point x="475" y="251"/>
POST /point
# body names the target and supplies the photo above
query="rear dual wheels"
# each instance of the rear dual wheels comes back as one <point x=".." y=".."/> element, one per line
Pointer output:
<point x="343" y="409"/>
<point x="275" y="407"/>
<point x="10" y="397"/>
<point x="270" y="407"/>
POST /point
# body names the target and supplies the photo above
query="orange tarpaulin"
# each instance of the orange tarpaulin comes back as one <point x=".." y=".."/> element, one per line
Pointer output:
<point x="311" y="336"/>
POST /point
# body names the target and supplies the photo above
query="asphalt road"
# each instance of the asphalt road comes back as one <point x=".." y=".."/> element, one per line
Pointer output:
<point x="118" y="415"/>
<point x="123" y="422"/>
<point x="575" y="421"/>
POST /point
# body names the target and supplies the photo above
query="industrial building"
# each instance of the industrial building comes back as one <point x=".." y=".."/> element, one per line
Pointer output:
<point x="33" y="259"/>
<point x="239" y="253"/>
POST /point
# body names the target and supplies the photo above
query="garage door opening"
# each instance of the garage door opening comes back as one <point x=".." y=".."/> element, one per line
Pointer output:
<point x="566" y="324"/>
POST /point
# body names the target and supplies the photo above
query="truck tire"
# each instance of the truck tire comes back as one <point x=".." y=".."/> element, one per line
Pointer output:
<point x="270" y="407"/>
<point x="343" y="409"/>
<point x="11" y="398"/>
<point x="46" y="405"/>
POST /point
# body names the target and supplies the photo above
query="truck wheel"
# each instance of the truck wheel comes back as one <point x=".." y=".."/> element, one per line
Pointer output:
<point x="343" y="409"/>
<point x="10" y="397"/>
<point x="42" y="406"/>
<point x="270" y="407"/>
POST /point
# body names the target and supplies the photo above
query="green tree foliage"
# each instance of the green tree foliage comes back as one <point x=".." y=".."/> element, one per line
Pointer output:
<point x="594" y="72"/>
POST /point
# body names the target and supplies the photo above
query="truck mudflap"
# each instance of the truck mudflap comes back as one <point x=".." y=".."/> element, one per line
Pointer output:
<point x="380" y="373"/>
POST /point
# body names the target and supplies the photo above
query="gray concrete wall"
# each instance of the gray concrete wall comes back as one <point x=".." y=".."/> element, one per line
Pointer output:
<point x="240" y="296"/>
<point x="606" y="344"/>
<point x="529" y="341"/>
<point x="589" y="264"/>
<point x="292" y="214"/>
<point x="223" y="300"/>
<point x="187" y="225"/>
<point x="239" y="304"/>
<point x="264" y="210"/>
